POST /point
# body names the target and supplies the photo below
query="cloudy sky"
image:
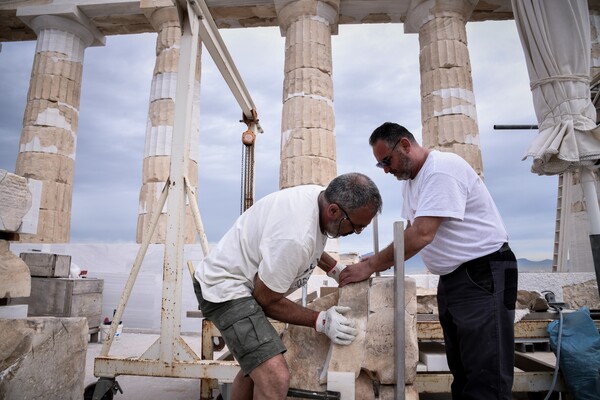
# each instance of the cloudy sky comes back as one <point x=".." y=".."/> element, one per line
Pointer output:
<point x="376" y="79"/>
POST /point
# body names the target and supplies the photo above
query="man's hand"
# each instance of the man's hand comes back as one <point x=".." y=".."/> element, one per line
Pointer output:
<point x="355" y="273"/>
<point x="337" y="327"/>
<point x="335" y="271"/>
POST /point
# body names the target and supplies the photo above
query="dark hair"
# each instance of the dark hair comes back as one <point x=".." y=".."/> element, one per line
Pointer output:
<point x="390" y="133"/>
<point x="354" y="190"/>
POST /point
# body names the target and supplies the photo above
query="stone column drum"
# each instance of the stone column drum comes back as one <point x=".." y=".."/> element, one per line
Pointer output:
<point x="49" y="136"/>
<point x="448" y="113"/>
<point x="159" y="128"/>
<point x="308" y="120"/>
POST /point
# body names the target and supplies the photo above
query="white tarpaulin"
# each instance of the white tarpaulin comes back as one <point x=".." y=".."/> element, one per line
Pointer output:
<point x="555" y="35"/>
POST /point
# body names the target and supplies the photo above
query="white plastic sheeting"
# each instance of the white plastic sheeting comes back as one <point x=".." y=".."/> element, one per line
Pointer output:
<point x="555" y="35"/>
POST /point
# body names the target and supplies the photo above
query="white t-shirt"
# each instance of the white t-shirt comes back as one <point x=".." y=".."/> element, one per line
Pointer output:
<point x="447" y="186"/>
<point x="278" y="237"/>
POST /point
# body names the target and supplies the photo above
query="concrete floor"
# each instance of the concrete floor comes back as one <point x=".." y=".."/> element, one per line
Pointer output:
<point x="133" y="344"/>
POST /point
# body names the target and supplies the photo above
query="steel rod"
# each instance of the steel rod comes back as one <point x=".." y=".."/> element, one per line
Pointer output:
<point x="193" y="201"/>
<point x="514" y="127"/>
<point x="399" y="318"/>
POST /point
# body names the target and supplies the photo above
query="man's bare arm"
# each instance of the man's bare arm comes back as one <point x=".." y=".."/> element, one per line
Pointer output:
<point x="416" y="237"/>
<point x="278" y="307"/>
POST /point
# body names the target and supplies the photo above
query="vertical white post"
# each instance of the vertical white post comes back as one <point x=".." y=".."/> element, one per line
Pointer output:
<point x="399" y="315"/>
<point x="173" y="266"/>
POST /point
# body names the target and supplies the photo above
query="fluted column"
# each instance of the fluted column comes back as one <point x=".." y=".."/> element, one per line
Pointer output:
<point x="308" y="120"/>
<point x="159" y="128"/>
<point x="49" y="136"/>
<point x="448" y="113"/>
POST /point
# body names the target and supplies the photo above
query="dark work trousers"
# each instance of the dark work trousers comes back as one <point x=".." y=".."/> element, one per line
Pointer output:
<point x="477" y="309"/>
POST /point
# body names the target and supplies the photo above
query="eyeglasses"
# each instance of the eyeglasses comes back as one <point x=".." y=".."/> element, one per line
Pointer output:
<point x="387" y="161"/>
<point x="354" y="228"/>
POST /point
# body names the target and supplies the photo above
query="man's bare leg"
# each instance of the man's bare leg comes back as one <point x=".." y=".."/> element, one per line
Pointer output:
<point x="242" y="387"/>
<point x="270" y="380"/>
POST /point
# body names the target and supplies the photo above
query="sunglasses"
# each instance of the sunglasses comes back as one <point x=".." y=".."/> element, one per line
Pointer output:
<point x="387" y="161"/>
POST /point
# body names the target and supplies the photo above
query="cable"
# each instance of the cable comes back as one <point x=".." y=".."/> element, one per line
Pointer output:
<point x="558" y="307"/>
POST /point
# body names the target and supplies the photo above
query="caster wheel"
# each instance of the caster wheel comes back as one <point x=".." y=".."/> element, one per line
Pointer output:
<point x="88" y="393"/>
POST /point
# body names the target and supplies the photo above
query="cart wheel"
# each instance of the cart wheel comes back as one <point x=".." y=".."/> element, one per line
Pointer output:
<point x="88" y="393"/>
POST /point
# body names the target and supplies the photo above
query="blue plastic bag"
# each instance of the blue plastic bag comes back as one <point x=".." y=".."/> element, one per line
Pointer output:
<point x="579" y="353"/>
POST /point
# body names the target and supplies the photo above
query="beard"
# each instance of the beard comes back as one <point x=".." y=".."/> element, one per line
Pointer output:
<point x="332" y="230"/>
<point x="403" y="174"/>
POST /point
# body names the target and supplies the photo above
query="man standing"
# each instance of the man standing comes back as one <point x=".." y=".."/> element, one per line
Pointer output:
<point x="270" y="251"/>
<point x="455" y="226"/>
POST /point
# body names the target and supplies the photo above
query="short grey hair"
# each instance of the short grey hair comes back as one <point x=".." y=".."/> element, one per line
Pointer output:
<point x="354" y="190"/>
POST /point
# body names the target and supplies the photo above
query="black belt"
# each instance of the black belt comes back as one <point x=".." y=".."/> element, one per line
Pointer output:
<point x="504" y="248"/>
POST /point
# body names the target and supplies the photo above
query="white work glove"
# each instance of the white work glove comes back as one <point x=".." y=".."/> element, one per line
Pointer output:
<point x="337" y="327"/>
<point x="335" y="271"/>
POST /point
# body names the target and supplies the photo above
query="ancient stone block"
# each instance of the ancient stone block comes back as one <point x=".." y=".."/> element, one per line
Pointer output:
<point x="381" y="294"/>
<point x="156" y="169"/>
<point x="54" y="88"/>
<point x="379" y="353"/>
<point x="159" y="12"/>
<point x="48" y="139"/>
<point x="450" y="102"/>
<point x="427" y="301"/>
<point x="308" y="142"/>
<point x="162" y="112"/>
<point x="308" y="30"/>
<point x="582" y="295"/>
<point x="15" y="200"/>
<point x="532" y="300"/>
<point x="45" y="167"/>
<point x="443" y="129"/>
<point x="15" y="280"/>
<point x="48" y="64"/>
<point x="306" y="170"/>
<point x="444" y="54"/>
<point x="308" y="81"/>
<point x="306" y="353"/>
<point x="160" y="231"/>
<point x="57" y="196"/>
<point x="42" y="113"/>
<point x="308" y="55"/>
<point x="53" y="227"/>
<point x="307" y="112"/>
<point x="350" y="358"/>
<point x="442" y="29"/>
<point x="445" y="78"/>
<point x="42" y="358"/>
<point x="307" y="349"/>
<point x="289" y="12"/>
<point x="167" y="61"/>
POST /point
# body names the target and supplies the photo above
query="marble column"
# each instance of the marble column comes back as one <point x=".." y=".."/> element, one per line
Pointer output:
<point x="159" y="128"/>
<point x="49" y="136"/>
<point x="308" y="120"/>
<point x="448" y="114"/>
